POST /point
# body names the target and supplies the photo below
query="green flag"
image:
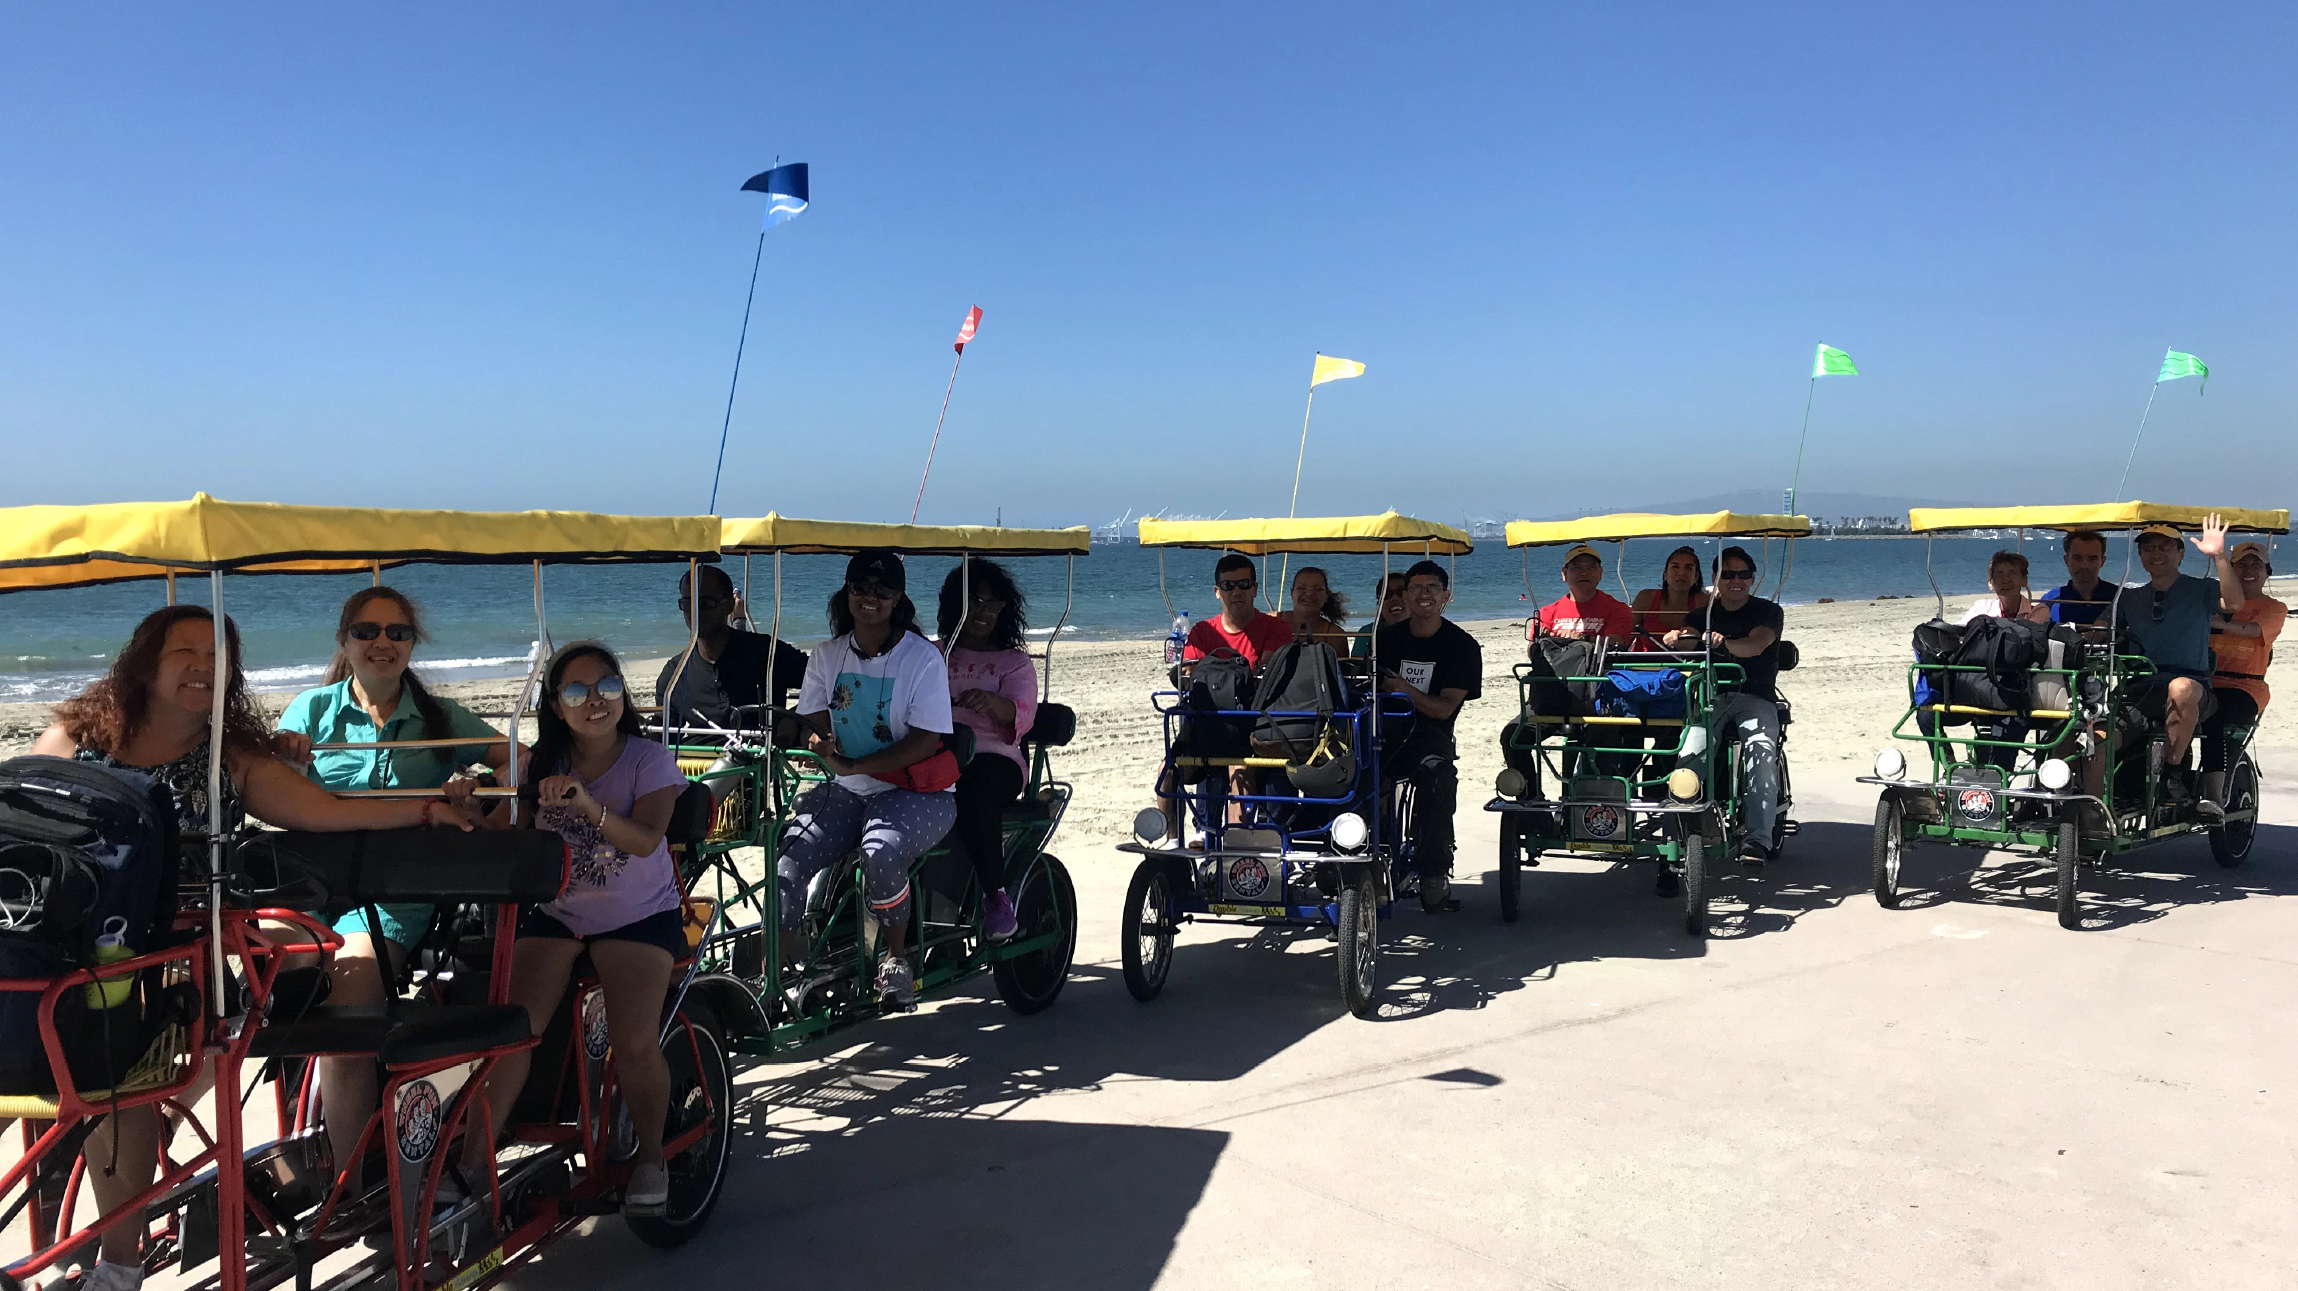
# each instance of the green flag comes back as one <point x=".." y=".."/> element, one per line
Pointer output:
<point x="1832" y="362"/>
<point x="2176" y="365"/>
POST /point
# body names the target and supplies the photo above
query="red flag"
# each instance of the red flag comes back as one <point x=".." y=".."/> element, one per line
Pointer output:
<point x="965" y="333"/>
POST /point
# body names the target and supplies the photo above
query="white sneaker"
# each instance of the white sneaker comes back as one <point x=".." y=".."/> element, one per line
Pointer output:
<point x="648" y="1191"/>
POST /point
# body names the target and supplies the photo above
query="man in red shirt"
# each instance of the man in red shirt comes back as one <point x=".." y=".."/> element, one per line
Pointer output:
<point x="1586" y="611"/>
<point x="1240" y="628"/>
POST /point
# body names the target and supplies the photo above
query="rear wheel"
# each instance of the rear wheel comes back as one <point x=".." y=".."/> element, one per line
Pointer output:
<point x="701" y="1093"/>
<point x="2230" y="842"/>
<point x="1359" y="920"/>
<point x="1511" y="867"/>
<point x="1145" y="937"/>
<point x="1695" y="885"/>
<point x="2069" y="859"/>
<point x="1048" y="906"/>
<point x="1889" y="849"/>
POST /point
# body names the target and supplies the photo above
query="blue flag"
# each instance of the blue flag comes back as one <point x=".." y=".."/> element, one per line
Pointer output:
<point x="785" y="189"/>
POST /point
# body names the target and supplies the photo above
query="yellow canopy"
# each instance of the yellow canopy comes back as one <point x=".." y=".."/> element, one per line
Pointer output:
<point x="775" y="532"/>
<point x="1308" y="534"/>
<point x="113" y="541"/>
<point x="1643" y="524"/>
<point x="2100" y="515"/>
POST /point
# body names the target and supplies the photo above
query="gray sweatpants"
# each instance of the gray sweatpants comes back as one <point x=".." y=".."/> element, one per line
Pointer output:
<point x="1754" y="722"/>
<point x="891" y="829"/>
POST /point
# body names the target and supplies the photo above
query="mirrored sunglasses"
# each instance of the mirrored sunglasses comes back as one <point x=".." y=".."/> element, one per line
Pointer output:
<point x="574" y="694"/>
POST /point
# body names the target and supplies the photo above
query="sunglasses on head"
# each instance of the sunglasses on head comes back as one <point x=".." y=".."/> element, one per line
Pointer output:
<point x="1734" y="575"/>
<point x="401" y="632"/>
<point x="1236" y="584"/>
<point x="574" y="694"/>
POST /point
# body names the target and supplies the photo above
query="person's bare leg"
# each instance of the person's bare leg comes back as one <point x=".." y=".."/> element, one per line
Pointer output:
<point x="540" y="967"/>
<point x="637" y="980"/>
<point x="2182" y="708"/>
<point x="347" y="1087"/>
<point x="123" y="1156"/>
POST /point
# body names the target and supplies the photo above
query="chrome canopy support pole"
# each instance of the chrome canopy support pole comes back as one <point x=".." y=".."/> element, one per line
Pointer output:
<point x="1941" y="597"/>
<point x="538" y="659"/>
<point x="693" y="643"/>
<point x="1068" y="597"/>
<point x="1620" y="570"/>
<point x="1170" y="612"/>
<point x="773" y="648"/>
<point x="1786" y="567"/>
<point x="171" y="587"/>
<point x="219" y="689"/>
<point x="749" y="622"/>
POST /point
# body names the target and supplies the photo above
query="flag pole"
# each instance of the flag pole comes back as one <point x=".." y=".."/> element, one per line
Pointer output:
<point x="937" y="436"/>
<point x="740" y="341"/>
<point x="1801" y="436"/>
<point x="1292" y="509"/>
<point x="2126" y="462"/>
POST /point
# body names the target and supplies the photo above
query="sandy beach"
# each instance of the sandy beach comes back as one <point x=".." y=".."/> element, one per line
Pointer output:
<point x="1848" y="692"/>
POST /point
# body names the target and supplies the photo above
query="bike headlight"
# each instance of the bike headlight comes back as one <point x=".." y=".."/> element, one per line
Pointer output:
<point x="1684" y="784"/>
<point x="1890" y="764"/>
<point x="1510" y="783"/>
<point x="1149" y="825"/>
<point x="1349" y="831"/>
<point x="2055" y="774"/>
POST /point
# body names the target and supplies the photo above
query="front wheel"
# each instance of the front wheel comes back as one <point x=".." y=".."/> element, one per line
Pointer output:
<point x="1359" y="925"/>
<point x="701" y="1094"/>
<point x="1889" y="849"/>
<point x="1048" y="907"/>
<point x="1511" y="869"/>
<point x="2069" y="859"/>
<point x="1145" y="936"/>
<point x="1695" y="885"/>
<point x="2230" y="842"/>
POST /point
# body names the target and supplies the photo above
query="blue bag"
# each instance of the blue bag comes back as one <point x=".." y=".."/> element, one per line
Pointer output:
<point x="1627" y="692"/>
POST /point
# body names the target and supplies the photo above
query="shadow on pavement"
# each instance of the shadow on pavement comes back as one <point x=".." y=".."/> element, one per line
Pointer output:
<point x="2132" y="889"/>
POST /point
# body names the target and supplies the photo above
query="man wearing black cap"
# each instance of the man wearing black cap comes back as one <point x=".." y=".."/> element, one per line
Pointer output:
<point x="1431" y="659"/>
<point x="728" y="667"/>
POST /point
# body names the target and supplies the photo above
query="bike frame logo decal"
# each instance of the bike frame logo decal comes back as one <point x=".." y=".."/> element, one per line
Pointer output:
<point x="1248" y="877"/>
<point x="1975" y="804"/>
<point x="594" y="1036"/>
<point x="1600" y="821"/>
<point x="418" y="1121"/>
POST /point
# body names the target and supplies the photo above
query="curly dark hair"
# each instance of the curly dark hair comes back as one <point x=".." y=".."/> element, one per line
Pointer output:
<point x="111" y="710"/>
<point x="993" y="578"/>
<point x="554" y="739"/>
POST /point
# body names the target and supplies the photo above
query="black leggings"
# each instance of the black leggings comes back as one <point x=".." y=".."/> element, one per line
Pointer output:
<point x="2235" y="708"/>
<point x="991" y="783"/>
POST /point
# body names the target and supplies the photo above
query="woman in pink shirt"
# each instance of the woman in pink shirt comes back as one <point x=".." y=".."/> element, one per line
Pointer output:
<point x="993" y="691"/>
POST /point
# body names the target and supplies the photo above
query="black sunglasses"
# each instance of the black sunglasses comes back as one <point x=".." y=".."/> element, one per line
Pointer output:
<point x="575" y="694"/>
<point x="1735" y="574"/>
<point x="870" y="592"/>
<point x="369" y="631"/>
<point x="2159" y="596"/>
<point x="1236" y="584"/>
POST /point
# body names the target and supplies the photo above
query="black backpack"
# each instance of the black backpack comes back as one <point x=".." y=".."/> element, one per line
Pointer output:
<point x="1216" y="683"/>
<point x="86" y="851"/>
<point x="1553" y="659"/>
<point x="2002" y="654"/>
<point x="1296" y="678"/>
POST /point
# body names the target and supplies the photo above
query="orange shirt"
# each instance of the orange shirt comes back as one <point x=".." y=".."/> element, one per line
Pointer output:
<point x="2247" y="655"/>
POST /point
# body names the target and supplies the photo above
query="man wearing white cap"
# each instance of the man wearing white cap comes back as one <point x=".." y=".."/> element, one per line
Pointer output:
<point x="2169" y="615"/>
<point x="1586" y="611"/>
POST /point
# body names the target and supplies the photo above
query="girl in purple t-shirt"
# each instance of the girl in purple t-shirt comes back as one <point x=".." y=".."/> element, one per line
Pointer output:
<point x="993" y="691"/>
<point x="609" y="792"/>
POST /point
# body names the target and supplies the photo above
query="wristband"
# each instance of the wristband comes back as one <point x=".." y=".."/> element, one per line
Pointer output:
<point x="428" y="803"/>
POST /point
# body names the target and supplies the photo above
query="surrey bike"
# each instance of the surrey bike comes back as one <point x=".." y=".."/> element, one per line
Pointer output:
<point x="2010" y="716"/>
<point x="756" y="772"/>
<point x="1597" y="754"/>
<point x="1325" y="840"/>
<point x="241" y="1204"/>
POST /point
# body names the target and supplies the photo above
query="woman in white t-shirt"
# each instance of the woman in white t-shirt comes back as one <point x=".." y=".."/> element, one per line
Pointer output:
<point x="2007" y="576"/>
<point x="876" y="704"/>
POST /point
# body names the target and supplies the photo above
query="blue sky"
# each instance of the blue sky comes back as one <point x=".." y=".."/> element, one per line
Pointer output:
<point x="494" y="256"/>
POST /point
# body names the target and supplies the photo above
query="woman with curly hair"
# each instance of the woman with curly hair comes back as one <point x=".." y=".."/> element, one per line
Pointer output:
<point x="993" y="691"/>
<point x="151" y="714"/>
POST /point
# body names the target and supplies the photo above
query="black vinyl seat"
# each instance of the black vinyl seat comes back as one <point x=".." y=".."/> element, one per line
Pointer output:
<point x="407" y="1033"/>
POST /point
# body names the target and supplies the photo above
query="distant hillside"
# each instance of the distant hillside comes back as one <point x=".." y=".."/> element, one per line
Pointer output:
<point x="1810" y="502"/>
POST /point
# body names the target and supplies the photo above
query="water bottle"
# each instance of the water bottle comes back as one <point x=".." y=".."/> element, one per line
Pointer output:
<point x="1177" y="638"/>
<point x="112" y="947"/>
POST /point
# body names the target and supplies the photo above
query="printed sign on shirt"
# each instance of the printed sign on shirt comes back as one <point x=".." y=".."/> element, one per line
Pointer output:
<point x="1419" y="673"/>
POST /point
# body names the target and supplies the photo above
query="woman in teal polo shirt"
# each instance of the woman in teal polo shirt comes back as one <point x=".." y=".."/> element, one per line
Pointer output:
<point x="372" y="697"/>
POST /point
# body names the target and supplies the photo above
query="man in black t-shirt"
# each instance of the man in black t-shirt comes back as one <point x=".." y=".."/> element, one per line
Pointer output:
<point x="1737" y="626"/>
<point x="729" y="667"/>
<point x="1440" y="667"/>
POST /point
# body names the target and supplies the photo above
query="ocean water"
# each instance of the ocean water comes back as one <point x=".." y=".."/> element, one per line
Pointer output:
<point x="482" y="619"/>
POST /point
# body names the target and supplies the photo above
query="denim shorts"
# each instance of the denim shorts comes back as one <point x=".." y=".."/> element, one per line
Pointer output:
<point x="665" y="929"/>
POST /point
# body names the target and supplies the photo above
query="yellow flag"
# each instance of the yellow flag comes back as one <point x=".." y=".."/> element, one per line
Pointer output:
<point x="1331" y="369"/>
